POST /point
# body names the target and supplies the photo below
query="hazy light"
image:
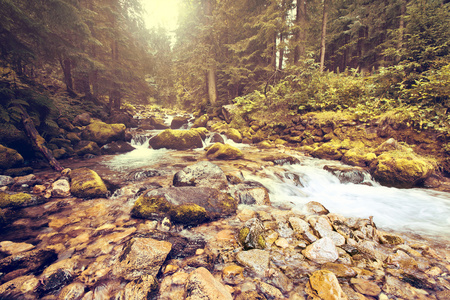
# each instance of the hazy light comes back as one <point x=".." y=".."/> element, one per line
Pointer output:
<point x="161" y="13"/>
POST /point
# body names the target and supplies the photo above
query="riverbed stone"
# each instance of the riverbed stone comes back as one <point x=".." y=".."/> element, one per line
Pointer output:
<point x="27" y="262"/>
<point x="201" y="174"/>
<point x="178" y="122"/>
<point x="16" y="200"/>
<point x="251" y="235"/>
<point x="255" y="259"/>
<point x="315" y="208"/>
<point x="223" y="152"/>
<point x="86" y="183"/>
<point x="12" y="248"/>
<point x="201" y="284"/>
<point x="251" y="193"/>
<point x="116" y="147"/>
<point x="234" y="135"/>
<point x="323" y="284"/>
<point x="331" y="150"/>
<point x="185" y="205"/>
<point x="177" y="139"/>
<point x="365" y="287"/>
<point x="233" y="274"/>
<point x="6" y="180"/>
<point x="389" y="238"/>
<point x="103" y="133"/>
<point x="322" y="251"/>
<point x="358" y="157"/>
<point x="73" y="291"/>
<point x="61" y="188"/>
<point x="346" y="174"/>
<point x="142" y="256"/>
<point x="201" y="121"/>
<point x="9" y="158"/>
<point x="83" y="119"/>
<point x="143" y="288"/>
<point x="18" y="287"/>
<point x="340" y="270"/>
<point x="87" y="147"/>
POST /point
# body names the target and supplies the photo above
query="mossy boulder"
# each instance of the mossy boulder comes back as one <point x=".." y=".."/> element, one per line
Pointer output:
<point x="223" y="151"/>
<point x="331" y="150"/>
<point x="234" y="135"/>
<point x="86" y="183"/>
<point x="103" y="133"/>
<point x="184" y="205"/>
<point x="202" y="131"/>
<point x="9" y="158"/>
<point x="177" y="139"/>
<point x="358" y="157"/>
<point x="399" y="168"/>
<point x="178" y="122"/>
<point x="16" y="200"/>
<point x="87" y="147"/>
<point x="201" y="121"/>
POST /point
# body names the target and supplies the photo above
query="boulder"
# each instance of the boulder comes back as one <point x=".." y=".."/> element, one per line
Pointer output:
<point x="6" y="180"/>
<point x="255" y="259"/>
<point x="142" y="256"/>
<point x="330" y="150"/>
<point x="358" y="157"/>
<point x="143" y="288"/>
<point x="178" y="122"/>
<point x="83" y="119"/>
<point x="73" y="137"/>
<point x="315" y="208"/>
<point x="202" y="131"/>
<point x="16" y="200"/>
<point x="201" y="284"/>
<point x="116" y="147"/>
<point x="201" y="121"/>
<point x="216" y="138"/>
<point x="251" y="192"/>
<point x="322" y="251"/>
<point x="86" y="183"/>
<point x="201" y="174"/>
<point x="158" y="123"/>
<point x="323" y="284"/>
<point x="9" y="158"/>
<point x="282" y="159"/>
<point x="103" y="133"/>
<point x="234" y="135"/>
<point x="87" y="147"/>
<point x="122" y="117"/>
<point x="65" y="124"/>
<point x="228" y="112"/>
<point x="177" y="139"/>
<point x="185" y="205"/>
<point x="399" y="168"/>
<point x="347" y="174"/>
<point x="223" y="151"/>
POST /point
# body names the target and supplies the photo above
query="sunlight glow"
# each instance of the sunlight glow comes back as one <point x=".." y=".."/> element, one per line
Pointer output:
<point x="161" y="13"/>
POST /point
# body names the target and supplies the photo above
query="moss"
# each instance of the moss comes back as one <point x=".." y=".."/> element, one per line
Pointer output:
<point x="177" y="139"/>
<point x="202" y="131"/>
<point x="201" y="121"/>
<point x="103" y="133"/>
<point x="359" y="157"/>
<point x="261" y="241"/>
<point x="234" y="135"/>
<point x="188" y="214"/>
<point x="86" y="183"/>
<point x="150" y="207"/>
<point x="223" y="151"/>
<point x="243" y="233"/>
<point x="330" y="150"/>
<point x="14" y="200"/>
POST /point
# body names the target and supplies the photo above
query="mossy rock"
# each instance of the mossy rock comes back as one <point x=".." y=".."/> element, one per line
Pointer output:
<point x="9" y="158"/>
<point x="103" y="133"/>
<point x="358" y="157"/>
<point x="86" y="183"/>
<point x="177" y="139"/>
<point x="402" y="169"/>
<point x="234" y="135"/>
<point x="15" y="200"/>
<point x="201" y="121"/>
<point x="223" y="151"/>
<point x="202" y="131"/>
<point x="87" y="147"/>
<point x="330" y="150"/>
<point x="251" y="235"/>
<point x="73" y="137"/>
<point x="184" y="205"/>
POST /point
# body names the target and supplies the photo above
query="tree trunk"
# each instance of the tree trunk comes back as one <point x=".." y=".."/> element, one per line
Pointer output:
<point x="324" y="34"/>
<point x="299" y="34"/>
<point x="66" y="66"/>
<point x="38" y="141"/>
<point x="281" y="54"/>
<point x="212" y="85"/>
<point x="211" y="76"/>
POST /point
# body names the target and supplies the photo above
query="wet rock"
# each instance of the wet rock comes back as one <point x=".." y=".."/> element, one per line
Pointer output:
<point x="251" y="193"/>
<point x="234" y="135"/>
<point x="73" y="291"/>
<point x="389" y="238"/>
<point x="256" y="260"/>
<point x="116" y="147"/>
<point x="323" y="284"/>
<point x="321" y="251"/>
<point x="270" y="291"/>
<point x="223" y="152"/>
<point x="402" y="260"/>
<point x="315" y="208"/>
<point x="282" y="159"/>
<point x="28" y="180"/>
<point x="54" y="282"/>
<point x="122" y="117"/>
<point x="14" y="200"/>
<point x="142" y="256"/>
<point x="397" y="288"/>
<point x="9" y="158"/>
<point x="250" y="295"/>
<point x="201" y="174"/>
<point x="251" y="235"/>
<point x="83" y="119"/>
<point x="73" y="137"/>
<point x="228" y="112"/>
<point x="139" y="175"/>
<point x="216" y="138"/>
<point x="324" y="229"/>
<point x="346" y="174"/>
<point x="365" y="287"/>
<point x="25" y="262"/>
<point x="340" y="270"/>
<point x="14" y="248"/>
<point x="65" y="124"/>
<point x="233" y="274"/>
<point x="201" y="121"/>
<point x="202" y="285"/>
<point x="177" y="139"/>
<point x="185" y="205"/>
<point x="178" y="122"/>
<point x="6" y="180"/>
<point x="103" y="133"/>
<point x="371" y="249"/>
<point x="143" y="288"/>
<point x="330" y="150"/>
<point x="358" y="157"/>
<point x="86" y="183"/>
<point x="61" y="188"/>
<point x="87" y="147"/>
<point x="299" y="225"/>
<point x="203" y="258"/>
<point x="19" y="287"/>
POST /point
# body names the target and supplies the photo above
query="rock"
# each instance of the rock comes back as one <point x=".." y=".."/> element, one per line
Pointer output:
<point x="65" y="124"/>
<point x="143" y="288"/>
<point x="201" y="121"/>
<point x="59" y="153"/>
<point x="61" y="143"/>
<point x="142" y="256"/>
<point x="73" y="291"/>
<point x="9" y="158"/>
<point x="251" y="193"/>
<point x="389" y="238"/>
<point x="73" y="137"/>
<point x="282" y="159"/>
<point x="177" y="139"/>
<point x="185" y="205"/>
<point x="300" y="226"/>
<point x="340" y="270"/>
<point x="103" y="133"/>
<point x="16" y="200"/>
<point x="6" y="180"/>
<point x="250" y="295"/>
<point x="315" y="208"/>
<point x="228" y="112"/>
<point x="233" y="274"/>
<point x="358" y="157"/>
<point x="402" y="260"/>
<point x="324" y="229"/>
<point x="86" y="183"/>
<point x="122" y="117"/>
<point x="26" y="262"/>
<point x="158" y="123"/>
<point x="202" y="131"/>
<point x="330" y="150"/>
<point x="53" y="282"/>
<point x="202" y="285"/>
<point x="397" y="288"/>
<point x="83" y="119"/>
<point x="14" y="248"/>
<point x="401" y="168"/>
<point x="116" y="147"/>
<point x="178" y="122"/>
<point x="365" y="287"/>
<point x="18" y="287"/>
<point x="323" y="284"/>
<point x="223" y="151"/>
<point x="201" y="174"/>
<point x="18" y="171"/>
<point x="28" y="180"/>
<point x="61" y="188"/>
<point x="256" y="260"/>
<point x="346" y="174"/>
<point x="216" y="138"/>
<point x="87" y="147"/>
<point x="321" y="251"/>
<point x="251" y="236"/>
<point x="389" y="145"/>
<point x="234" y="135"/>
<point x="270" y="291"/>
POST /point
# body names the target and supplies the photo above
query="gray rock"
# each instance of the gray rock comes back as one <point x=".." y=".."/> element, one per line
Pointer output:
<point x="256" y="260"/>
<point x="251" y="192"/>
<point x="202" y="173"/>
<point x="322" y="251"/>
<point x="6" y="180"/>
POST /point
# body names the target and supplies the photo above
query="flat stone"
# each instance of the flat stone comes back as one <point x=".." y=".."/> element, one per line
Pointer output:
<point x="340" y="270"/>
<point x="365" y="287"/>
<point x="14" y="248"/>
<point x="322" y="251"/>
<point x="256" y="260"/>
<point x="323" y="284"/>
